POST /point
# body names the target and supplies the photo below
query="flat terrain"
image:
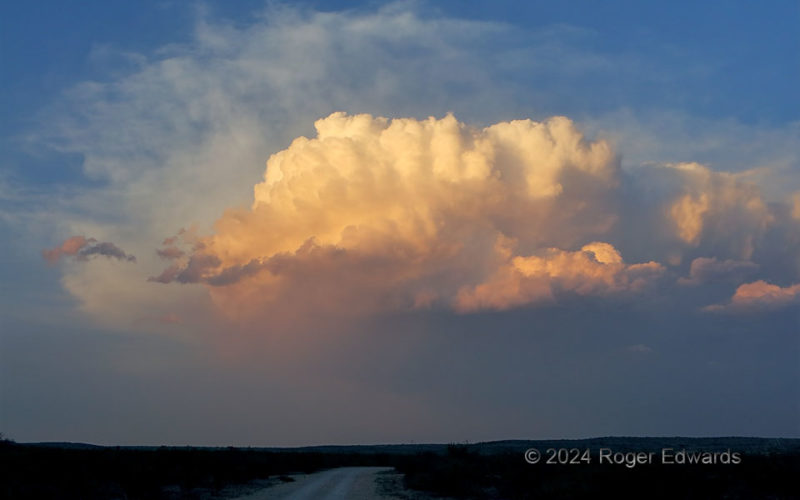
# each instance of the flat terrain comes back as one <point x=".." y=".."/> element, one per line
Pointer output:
<point x="495" y="470"/>
<point x="343" y="483"/>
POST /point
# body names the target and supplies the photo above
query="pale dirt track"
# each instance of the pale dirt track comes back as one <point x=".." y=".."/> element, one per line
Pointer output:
<point x="344" y="483"/>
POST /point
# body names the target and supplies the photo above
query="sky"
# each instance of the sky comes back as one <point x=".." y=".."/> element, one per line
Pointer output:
<point x="296" y="223"/>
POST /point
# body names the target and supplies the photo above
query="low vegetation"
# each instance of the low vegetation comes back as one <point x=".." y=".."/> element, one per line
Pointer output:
<point x="468" y="474"/>
<point x="487" y="470"/>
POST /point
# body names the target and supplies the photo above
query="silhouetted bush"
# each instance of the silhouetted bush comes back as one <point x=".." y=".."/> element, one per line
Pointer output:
<point x="471" y="475"/>
<point x="489" y="470"/>
<point x="35" y="472"/>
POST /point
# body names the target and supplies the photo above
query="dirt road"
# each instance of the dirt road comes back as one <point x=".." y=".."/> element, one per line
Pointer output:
<point x="345" y="483"/>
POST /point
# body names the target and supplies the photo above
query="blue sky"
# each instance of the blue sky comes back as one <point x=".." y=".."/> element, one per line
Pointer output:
<point x="749" y="51"/>
<point x="123" y="124"/>
<point x="718" y="60"/>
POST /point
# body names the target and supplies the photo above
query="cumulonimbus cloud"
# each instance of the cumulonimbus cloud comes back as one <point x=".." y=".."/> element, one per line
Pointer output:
<point x="374" y="213"/>
<point x="82" y="248"/>
<point x="162" y="126"/>
<point x="421" y="212"/>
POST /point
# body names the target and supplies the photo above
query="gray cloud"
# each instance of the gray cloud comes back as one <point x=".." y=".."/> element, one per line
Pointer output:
<point x="710" y="269"/>
<point x="82" y="248"/>
<point x="106" y="249"/>
<point x="170" y="252"/>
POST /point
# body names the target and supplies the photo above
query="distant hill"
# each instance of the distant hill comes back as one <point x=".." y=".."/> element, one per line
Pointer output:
<point x="493" y="470"/>
<point x="66" y="445"/>
<point x="749" y="445"/>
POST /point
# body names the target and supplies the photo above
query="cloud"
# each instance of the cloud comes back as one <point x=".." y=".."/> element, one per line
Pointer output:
<point x="411" y="213"/>
<point x="170" y="252"/>
<point x="720" y="209"/>
<point x="649" y="137"/>
<point x="105" y="248"/>
<point x="377" y="214"/>
<point x="597" y="269"/>
<point x="70" y="246"/>
<point x="181" y="138"/>
<point x="196" y="121"/>
<point x="759" y="296"/>
<point x="167" y="318"/>
<point x="710" y="269"/>
<point x="640" y="349"/>
<point x="796" y="206"/>
<point x="82" y="248"/>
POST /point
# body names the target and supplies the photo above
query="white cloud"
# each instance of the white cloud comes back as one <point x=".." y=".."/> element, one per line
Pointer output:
<point x="184" y="135"/>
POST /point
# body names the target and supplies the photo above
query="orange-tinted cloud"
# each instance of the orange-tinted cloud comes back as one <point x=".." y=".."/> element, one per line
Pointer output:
<point x="760" y="296"/>
<point x="70" y="246"/>
<point x="718" y="209"/>
<point x="376" y="213"/>
<point x="796" y="206"/>
<point x="596" y="269"/>
<point x="413" y="213"/>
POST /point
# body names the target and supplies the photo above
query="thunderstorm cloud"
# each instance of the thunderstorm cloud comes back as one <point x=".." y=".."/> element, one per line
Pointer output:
<point x="380" y="214"/>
